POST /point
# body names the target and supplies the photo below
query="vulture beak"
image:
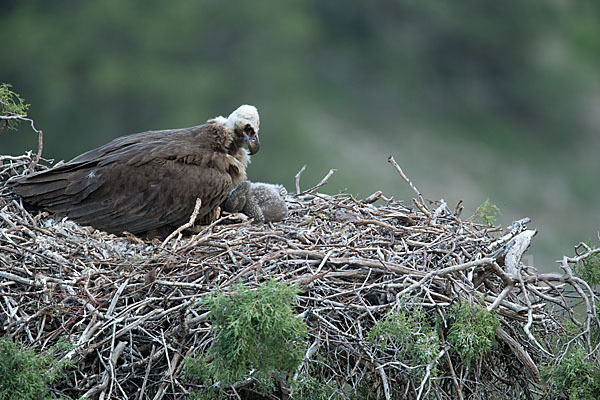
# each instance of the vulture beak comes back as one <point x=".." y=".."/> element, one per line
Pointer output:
<point x="246" y="123"/>
<point x="253" y="144"/>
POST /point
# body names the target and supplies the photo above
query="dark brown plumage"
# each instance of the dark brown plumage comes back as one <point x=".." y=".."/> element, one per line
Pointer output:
<point x="147" y="183"/>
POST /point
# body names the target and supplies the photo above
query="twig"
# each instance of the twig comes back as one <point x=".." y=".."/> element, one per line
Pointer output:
<point x="19" y="118"/>
<point x="148" y="367"/>
<point x="309" y="353"/>
<point x="373" y="197"/>
<point x="453" y="374"/>
<point x="445" y="271"/>
<point x="384" y="379"/>
<point x="185" y="226"/>
<point x="521" y="354"/>
<point x="428" y="372"/>
<point x="39" y="132"/>
<point x="322" y="183"/>
<point x="298" y="179"/>
<point x="392" y="161"/>
<point x="501" y="296"/>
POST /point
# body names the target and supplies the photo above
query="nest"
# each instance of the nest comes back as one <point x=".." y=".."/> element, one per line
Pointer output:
<point x="131" y="308"/>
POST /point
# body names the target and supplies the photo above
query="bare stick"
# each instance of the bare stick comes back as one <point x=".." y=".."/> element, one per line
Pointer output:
<point x="453" y="374"/>
<point x="392" y="161"/>
<point x="384" y="379"/>
<point x="527" y="326"/>
<point x="185" y="226"/>
<point x="515" y="252"/>
<point x="373" y="197"/>
<point x="323" y="182"/>
<point x="19" y="118"/>
<point x="298" y="179"/>
<point x="113" y="303"/>
<point x="438" y="211"/>
<point x="520" y="352"/>
<point x="40" y="148"/>
<point x="309" y="353"/>
<point x="143" y="388"/>
<point x="428" y="372"/>
<point x="500" y="297"/>
<point x="445" y="271"/>
<point x="39" y="132"/>
<point x="114" y="357"/>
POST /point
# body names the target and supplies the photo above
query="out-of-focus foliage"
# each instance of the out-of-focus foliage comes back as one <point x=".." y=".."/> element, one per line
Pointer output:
<point x="475" y="99"/>
<point x="108" y="67"/>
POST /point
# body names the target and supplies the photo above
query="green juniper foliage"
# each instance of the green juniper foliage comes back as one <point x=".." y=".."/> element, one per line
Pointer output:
<point x="197" y="369"/>
<point x="11" y="104"/>
<point x="472" y="329"/>
<point x="409" y="331"/>
<point x="589" y="269"/>
<point x="316" y="383"/>
<point x="487" y="212"/>
<point x="255" y="330"/>
<point x="26" y="375"/>
<point x="311" y="388"/>
<point x="315" y="387"/>
<point x="575" y="377"/>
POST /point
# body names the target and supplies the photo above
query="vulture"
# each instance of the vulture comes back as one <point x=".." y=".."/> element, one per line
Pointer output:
<point x="147" y="183"/>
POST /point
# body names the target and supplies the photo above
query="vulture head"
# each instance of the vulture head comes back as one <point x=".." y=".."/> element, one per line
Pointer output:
<point x="245" y="123"/>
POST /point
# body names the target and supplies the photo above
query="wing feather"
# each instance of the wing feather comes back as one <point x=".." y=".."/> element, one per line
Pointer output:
<point x="140" y="182"/>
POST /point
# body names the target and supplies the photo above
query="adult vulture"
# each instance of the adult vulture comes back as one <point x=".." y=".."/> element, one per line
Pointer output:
<point x="147" y="183"/>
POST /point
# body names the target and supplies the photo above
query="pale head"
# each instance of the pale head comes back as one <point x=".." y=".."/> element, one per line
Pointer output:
<point x="245" y="122"/>
<point x="244" y="115"/>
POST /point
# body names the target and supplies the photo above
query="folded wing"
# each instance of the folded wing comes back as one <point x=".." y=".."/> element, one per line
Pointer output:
<point x="139" y="183"/>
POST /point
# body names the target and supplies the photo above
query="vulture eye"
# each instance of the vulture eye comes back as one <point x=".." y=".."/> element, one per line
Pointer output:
<point x="248" y="129"/>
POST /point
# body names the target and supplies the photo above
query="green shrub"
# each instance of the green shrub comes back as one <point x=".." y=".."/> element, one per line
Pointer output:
<point x="410" y="332"/>
<point x="472" y="329"/>
<point x="310" y="388"/>
<point x="11" y="104"/>
<point x="317" y="383"/>
<point x="589" y="269"/>
<point x="487" y="212"/>
<point x="255" y="330"/>
<point x="24" y="374"/>
<point x="574" y="377"/>
<point x="198" y="369"/>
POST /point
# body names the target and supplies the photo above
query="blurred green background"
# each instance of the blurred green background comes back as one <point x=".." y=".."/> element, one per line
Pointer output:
<point x="475" y="99"/>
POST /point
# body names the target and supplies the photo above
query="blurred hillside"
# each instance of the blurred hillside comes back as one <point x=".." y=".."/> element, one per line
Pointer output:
<point x="475" y="99"/>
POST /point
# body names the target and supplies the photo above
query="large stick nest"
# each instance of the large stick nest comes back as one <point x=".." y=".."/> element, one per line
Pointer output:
<point x="131" y="309"/>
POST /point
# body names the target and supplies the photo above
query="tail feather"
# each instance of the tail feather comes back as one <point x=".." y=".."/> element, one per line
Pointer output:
<point x="57" y="191"/>
<point x="89" y="211"/>
<point x="32" y="190"/>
